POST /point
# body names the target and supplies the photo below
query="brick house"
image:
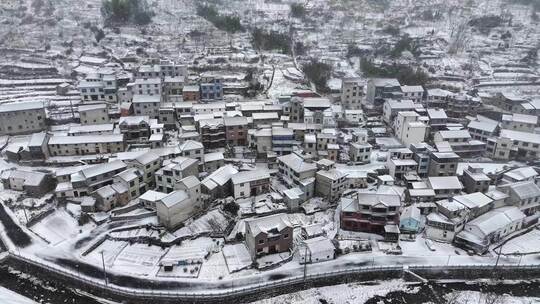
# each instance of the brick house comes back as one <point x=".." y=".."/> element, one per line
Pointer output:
<point x="268" y="235"/>
<point x="370" y="212"/>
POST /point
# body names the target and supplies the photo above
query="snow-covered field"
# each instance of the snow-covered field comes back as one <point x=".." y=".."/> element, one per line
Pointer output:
<point x="343" y="293"/>
<point x="9" y="297"/>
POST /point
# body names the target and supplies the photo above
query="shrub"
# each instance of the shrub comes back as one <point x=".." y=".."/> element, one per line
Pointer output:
<point x="126" y="11"/>
<point x="230" y="24"/>
<point x="319" y="73"/>
<point x="270" y="41"/>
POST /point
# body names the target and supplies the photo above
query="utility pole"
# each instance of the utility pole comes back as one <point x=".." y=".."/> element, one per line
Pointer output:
<point x="305" y="262"/>
<point x="104" y="272"/>
<point x="498" y="256"/>
<point x="25" y="215"/>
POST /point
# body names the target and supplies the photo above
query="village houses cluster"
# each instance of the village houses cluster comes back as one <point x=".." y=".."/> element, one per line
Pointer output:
<point x="392" y="160"/>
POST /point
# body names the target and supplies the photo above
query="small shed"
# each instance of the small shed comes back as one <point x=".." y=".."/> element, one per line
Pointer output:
<point x="316" y="250"/>
<point x="410" y="220"/>
<point x="391" y="233"/>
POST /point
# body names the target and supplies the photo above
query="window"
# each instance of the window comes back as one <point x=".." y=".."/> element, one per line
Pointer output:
<point x="261" y="241"/>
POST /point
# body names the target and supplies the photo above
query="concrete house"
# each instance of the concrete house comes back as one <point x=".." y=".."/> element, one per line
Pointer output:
<point x="175" y="208"/>
<point x="250" y="183"/>
<point x="491" y="227"/>
<point x="34" y="183"/>
<point x="60" y="145"/>
<point x="218" y="183"/>
<point x="370" y="212"/>
<point x="12" y="116"/>
<point x="445" y="186"/>
<point x="330" y="184"/>
<point x="93" y="114"/>
<point x="173" y="171"/>
<point x="474" y="179"/>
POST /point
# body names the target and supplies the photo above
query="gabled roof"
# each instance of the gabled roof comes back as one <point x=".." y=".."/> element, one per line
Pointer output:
<point x="268" y="223"/>
<point x="525" y="190"/>
<point x="147" y="158"/>
<point x="189" y="145"/>
<point x="296" y="163"/>
<point x="473" y="200"/>
<point x="520" y="174"/>
<point x="219" y="177"/>
<point x="249" y="176"/>
<point x="497" y="219"/>
<point x="175" y="198"/>
<point x="103" y="168"/>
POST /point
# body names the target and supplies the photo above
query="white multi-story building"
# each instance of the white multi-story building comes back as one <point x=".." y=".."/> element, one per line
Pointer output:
<point x="61" y="145"/>
<point x="147" y="86"/>
<point x="93" y="114"/>
<point x="414" y="93"/>
<point x="147" y="105"/>
<point x="22" y="117"/>
<point x="519" y="122"/>
<point x="409" y="129"/>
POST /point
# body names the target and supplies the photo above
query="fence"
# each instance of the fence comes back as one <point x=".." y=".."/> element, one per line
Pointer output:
<point x="219" y="293"/>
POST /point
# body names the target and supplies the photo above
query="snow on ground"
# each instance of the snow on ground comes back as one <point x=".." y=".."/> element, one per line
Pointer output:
<point x="466" y="297"/>
<point x="58" y="227"/>
<point x="236" y="256"/>
<point x="343" y="293"/>
<point x="9" y="297"/>
<point x="525" y="244"/>
<point x="138" y="259"/>
<point x="214" y="268"/>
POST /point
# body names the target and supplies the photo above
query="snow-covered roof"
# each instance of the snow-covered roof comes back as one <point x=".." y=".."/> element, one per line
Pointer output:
<point x="189" y="182"/>
<point x="190" y="145"/>
<point x="316" y="102"/>
<point x="411" y="89"/>
<point x="319" y="244"/>
<point x="521" y="136"/>
<point x="385" y="82"/>
<point x="267" y="224"/>
<point x="103" y="168"/>
<point x="448" y="134"/>
<point x="483" y="125"/>
<point x="91" y="107"/>
<point x="520" y="174"/>
<point x="497" y="219"/>
<point x="213" y="156"/>
<point x="129" y="174"/>
<point x="249" y="176"/>
<point x="152" y="196"/>
<point x="525" y="190"/>
<point x="20" y="106"/>
<point x="332" y="174"/>
<point x="235" y="121"/>
<point x="31" y="178"/>
<point x="138" y="98"/>
<point x="522" y="118"/>
<point x="444" y="182"/>
<point x="174" y="198"/>
<point x="133" y="120"/>
<point x="219" y="177"/>
<point x="411" y="212"/>
<point x="85" y="139"/>
<point x="91" y="128"/>
<point x="437" y="114"/>
<point x="473" y="200"/>
<point x="370" y="198"/>
<point x="296" y="163"/>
